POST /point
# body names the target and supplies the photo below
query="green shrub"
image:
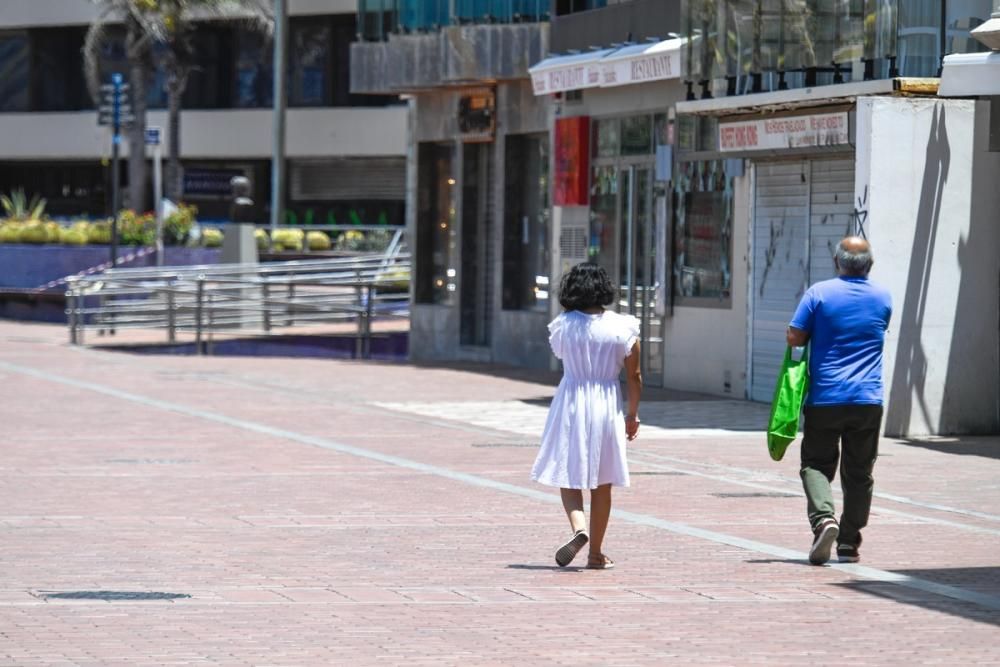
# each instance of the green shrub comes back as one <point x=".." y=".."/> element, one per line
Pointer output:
<point x="18" y="207"/>
<point x="318" y="241"/>
<point x="136" y="229"/>
<point x="263" y="240"/>
<point x="177" y="226"/>
<point x="34" y="232"/>
<point x="288" y="239"/>
<point x="99" y="232"/>
<point x="211" y="237"/>
<point x="73" y="236"/>
<point x="10" y="232"/>
<point x="358" y="241"/>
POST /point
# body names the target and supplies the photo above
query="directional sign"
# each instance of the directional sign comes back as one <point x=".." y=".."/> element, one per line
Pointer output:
<point x="115" y="109"/>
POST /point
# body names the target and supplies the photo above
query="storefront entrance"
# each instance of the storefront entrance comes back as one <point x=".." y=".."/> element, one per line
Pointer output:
<point x="802" y="208"/>
<point x="624" y="242"/>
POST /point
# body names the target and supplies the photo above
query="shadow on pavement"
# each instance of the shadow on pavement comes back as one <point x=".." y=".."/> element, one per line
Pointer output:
<point x="985" y="446"/>
<point x="551" y="568"/>
<point x="984" y="581"/>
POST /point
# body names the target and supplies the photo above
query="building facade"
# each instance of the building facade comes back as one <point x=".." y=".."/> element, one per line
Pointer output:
<point x="832" y="111"/>
<point x="714" y="193"/>
<point x="478" y="170"/>
<point x="345" y="153"/>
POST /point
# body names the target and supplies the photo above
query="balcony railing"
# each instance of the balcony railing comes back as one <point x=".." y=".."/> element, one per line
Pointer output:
<point x="377" y="19"/>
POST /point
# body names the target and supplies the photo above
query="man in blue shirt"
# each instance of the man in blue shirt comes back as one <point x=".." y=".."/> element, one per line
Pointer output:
<point x="844" y="320"/>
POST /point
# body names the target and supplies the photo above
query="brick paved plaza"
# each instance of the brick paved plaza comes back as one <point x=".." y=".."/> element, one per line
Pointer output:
<point x="251" y="511"/>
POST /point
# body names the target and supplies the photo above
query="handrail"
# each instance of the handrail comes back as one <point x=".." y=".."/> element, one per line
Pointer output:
<point x="249" y="299"/>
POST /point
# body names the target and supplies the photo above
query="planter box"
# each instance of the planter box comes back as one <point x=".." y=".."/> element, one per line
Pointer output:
<point x="32" y="266"/>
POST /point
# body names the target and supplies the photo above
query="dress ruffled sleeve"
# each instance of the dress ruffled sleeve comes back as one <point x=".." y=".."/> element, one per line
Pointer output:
<point x="631" y="334"/>
<point x="556" y="336"/>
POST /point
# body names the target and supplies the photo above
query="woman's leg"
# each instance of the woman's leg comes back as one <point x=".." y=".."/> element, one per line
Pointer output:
<point x="600" y="512"/>
<point x="572" y="500"/>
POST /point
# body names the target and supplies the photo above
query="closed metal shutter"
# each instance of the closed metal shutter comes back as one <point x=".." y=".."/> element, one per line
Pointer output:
<point x="780" y="265"/>
<point x="831" y="214"/>
<point x="802" y="209"/>
<point x="349" y="179"/>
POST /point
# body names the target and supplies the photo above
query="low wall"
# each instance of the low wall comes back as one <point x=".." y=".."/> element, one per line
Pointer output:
<point x="31" y="266"/>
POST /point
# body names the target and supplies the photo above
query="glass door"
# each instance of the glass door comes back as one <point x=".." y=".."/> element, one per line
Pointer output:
<point x="636" y="270"/>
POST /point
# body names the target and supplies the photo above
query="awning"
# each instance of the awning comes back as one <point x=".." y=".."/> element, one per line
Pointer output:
<point x="572" y="72"/>
<point x="642" y="63"/>
<point x="606" y="68"/>
<point x="970" y="74"/>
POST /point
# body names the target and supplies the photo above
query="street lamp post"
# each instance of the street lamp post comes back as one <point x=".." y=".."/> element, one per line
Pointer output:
<point x="278" y="139"/>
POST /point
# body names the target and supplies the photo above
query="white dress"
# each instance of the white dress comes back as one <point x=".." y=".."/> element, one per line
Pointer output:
<point x="583" y="445"/>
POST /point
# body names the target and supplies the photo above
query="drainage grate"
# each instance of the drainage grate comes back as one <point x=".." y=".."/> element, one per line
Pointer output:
<point x="114" y="596"/>
<point x="665" y="472"/>
<point x="505" y="444"/>
<point x="151" y="462"/>
<point x="755" y="495"/>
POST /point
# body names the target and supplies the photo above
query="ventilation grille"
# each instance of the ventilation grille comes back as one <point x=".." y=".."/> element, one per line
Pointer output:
<point x="349" y="179"/>
<point x="573" y="243"/>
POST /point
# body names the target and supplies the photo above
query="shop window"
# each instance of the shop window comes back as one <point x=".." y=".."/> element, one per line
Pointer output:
<point x="637" y="135"/>
<point x="703" y="223"/>
<point x="571" y="6"/>
<point x="603" y="217"/>
<point x="526" y="223"/>
<point x="14" y="72"/>
<point x="55" y="72"/>
<point x="435" y="270"/>
<point x="922" y="44"/>
<point x="254" y="70"/>
<point x="606" y="137"/>
<point x="311" y="66"/>
<point x="208" y="84"/>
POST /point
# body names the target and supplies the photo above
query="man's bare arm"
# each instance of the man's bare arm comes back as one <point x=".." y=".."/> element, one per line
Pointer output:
<point x="796" y="337"/>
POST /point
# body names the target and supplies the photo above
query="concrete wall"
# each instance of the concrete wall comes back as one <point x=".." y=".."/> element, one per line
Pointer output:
<point x="707" y="347"/>
<point x="23" y="13"/>
<point x="246" y="133"/>
<point x="931" y="211"/>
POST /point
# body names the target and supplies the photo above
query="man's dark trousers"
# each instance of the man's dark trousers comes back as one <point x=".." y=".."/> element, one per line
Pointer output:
<point x="857" y="428"/>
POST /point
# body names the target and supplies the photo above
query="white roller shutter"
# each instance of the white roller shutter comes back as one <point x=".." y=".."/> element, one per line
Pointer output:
<point x="802" y="209"/>
<point x="831" y="213"/>
<point x="780" y="265"/>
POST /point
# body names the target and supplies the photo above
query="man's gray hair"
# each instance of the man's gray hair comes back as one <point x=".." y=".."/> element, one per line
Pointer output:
<point x="853" y="263"/>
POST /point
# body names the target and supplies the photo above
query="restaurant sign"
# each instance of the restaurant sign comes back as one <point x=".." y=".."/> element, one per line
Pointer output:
<point x="828" y="129"/>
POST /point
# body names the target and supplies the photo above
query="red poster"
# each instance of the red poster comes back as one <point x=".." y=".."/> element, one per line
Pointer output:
<point x="572" y="161"/>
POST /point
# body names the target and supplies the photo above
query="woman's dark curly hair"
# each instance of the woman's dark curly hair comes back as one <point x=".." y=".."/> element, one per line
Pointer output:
<point x="585" y="286"/>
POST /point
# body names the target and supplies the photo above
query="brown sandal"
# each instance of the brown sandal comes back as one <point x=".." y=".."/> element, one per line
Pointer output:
<point x="599" y="562"/>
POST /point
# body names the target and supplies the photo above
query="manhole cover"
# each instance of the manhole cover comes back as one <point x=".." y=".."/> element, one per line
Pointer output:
<point x="755" y="495"/>
<point x="113" y="596"/>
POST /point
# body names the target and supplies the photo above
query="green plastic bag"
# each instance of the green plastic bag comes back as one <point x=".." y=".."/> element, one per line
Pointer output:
<point x="790" y="391"/>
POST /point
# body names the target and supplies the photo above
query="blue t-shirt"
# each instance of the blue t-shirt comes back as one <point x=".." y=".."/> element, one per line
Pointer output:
<point x="846" y="319"/>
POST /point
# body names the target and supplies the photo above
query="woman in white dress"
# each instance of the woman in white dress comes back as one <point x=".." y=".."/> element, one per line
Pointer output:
<point x="583" y="445"/>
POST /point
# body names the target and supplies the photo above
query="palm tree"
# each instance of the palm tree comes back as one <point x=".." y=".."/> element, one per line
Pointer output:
<point x="167" y="25"/>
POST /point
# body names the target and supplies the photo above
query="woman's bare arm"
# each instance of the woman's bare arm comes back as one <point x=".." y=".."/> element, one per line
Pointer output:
<point x="633" y="384"/>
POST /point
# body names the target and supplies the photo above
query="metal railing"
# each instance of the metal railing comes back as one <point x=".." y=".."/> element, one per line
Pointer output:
<point x="244" y="299"/>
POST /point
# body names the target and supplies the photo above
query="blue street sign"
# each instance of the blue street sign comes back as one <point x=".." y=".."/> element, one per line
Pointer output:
<point x="152" y="136"/>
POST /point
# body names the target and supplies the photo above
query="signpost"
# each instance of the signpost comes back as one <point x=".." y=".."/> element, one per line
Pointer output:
<point x="153" y="138"/>
<point x="115" y="111"/>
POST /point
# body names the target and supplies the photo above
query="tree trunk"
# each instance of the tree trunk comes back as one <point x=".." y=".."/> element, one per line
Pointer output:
<point x="138" y="60"/>
<point x="173" y="177"/>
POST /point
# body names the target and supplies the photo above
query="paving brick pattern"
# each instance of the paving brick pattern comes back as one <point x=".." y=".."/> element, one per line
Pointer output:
<point x="222" y="511"/>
